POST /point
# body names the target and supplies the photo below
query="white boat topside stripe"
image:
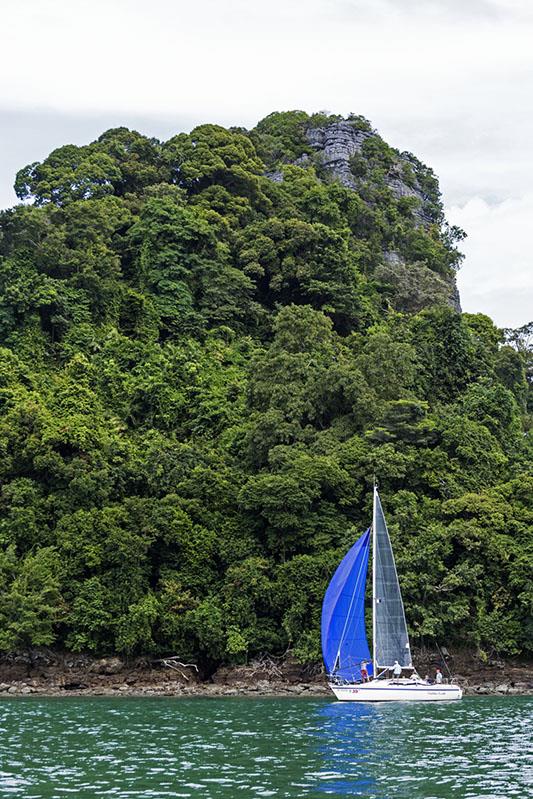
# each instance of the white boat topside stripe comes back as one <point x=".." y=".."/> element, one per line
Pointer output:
<point x="396" y="688"/>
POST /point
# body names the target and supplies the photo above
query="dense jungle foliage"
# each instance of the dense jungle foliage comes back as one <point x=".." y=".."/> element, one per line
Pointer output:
<point x="201" y="370"/>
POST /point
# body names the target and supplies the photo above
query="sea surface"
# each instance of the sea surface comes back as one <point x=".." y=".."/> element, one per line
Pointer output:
<point x="242" y="747"/>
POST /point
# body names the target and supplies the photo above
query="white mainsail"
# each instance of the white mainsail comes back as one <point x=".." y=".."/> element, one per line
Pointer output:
<point x="391" y="641"/>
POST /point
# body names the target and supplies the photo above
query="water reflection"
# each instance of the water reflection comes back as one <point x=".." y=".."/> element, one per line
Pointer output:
<point x="346" y="735"/>
<point x="442" y="750"/>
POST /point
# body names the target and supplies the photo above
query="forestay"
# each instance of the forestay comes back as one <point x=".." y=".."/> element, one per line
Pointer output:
<point x="344" y="643"/>
<point x="390" y="629"/>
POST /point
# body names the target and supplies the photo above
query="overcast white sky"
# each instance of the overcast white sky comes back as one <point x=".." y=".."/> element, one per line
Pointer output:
<point x="450" y="80"/>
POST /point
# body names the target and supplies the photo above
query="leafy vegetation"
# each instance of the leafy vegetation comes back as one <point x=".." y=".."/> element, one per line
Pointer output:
<point x="201" y="371"/>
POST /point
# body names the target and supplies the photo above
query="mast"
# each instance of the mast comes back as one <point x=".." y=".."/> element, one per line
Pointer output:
<point x="374" y="664"/>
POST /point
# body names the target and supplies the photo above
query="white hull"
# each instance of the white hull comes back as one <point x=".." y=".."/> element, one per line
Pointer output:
<point x="395" y="691"/>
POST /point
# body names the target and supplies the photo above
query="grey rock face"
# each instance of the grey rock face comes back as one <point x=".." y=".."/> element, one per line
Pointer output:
<point x="337" y="143"/>
<point x="414" y="286"/>
<point x="455" y="298"/>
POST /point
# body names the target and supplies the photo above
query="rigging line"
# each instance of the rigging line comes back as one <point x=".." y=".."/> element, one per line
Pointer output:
<point x="443" y="659"/>
<point x="341" y="640"/>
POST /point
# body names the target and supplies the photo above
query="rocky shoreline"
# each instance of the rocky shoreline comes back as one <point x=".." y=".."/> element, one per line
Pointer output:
<point x="52" y="674"/>
<point x="261" y="689"/>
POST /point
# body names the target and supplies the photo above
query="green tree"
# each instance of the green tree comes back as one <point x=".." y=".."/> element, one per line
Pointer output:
<point x="210" y="346"/>
<point x="31" y="602"/>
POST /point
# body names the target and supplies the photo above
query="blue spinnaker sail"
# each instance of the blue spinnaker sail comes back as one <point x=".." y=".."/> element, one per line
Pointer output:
<point x="344" y="644"/>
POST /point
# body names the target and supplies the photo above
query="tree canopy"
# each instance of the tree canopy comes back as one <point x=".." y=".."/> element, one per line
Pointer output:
<point x="202" y="368"/>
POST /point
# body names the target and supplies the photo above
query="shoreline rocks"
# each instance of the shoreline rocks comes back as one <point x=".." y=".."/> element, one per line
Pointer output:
<point x="262" y="688"/>
<point x="48" y="673"/>
<point x="167" y="689"/>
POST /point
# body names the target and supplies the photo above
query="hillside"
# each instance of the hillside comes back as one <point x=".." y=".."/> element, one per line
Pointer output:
<point x="209" y="347"/>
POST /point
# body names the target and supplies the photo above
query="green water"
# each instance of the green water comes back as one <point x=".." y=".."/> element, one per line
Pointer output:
<point x="165" y="747"/>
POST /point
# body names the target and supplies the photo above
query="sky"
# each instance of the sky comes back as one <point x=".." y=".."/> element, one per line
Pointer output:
<point x="449" y="80"/>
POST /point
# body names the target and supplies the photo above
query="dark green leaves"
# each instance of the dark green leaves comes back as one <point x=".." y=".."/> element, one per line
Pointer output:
<point x="208" y="352"/>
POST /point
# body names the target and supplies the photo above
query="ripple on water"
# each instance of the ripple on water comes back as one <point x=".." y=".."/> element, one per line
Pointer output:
<point x="479" y="748"/>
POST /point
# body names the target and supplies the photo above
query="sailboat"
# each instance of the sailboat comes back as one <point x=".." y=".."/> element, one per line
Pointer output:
<point x="352" y="674"/>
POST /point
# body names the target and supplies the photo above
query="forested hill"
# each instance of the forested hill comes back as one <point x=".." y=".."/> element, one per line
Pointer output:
<point x="209" y="347"/>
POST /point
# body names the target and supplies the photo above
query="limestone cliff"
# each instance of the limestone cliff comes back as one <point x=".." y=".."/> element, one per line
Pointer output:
<point x="346" y="150"/>
<point x="342" y="152"/>
<point x="352" y="152"/>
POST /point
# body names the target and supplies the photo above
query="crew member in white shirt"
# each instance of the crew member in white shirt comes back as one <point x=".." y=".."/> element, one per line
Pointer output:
<point x="396" y="670"/>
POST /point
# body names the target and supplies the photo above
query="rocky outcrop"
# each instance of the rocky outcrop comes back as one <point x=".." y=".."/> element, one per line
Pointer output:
<point x="351" y="152"/>
<point x="413" y="286"/>
<point x="338" y="142"/>
<point x="455" y="297"/>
